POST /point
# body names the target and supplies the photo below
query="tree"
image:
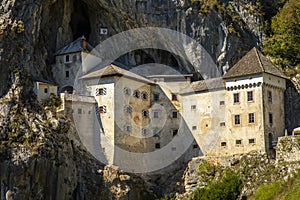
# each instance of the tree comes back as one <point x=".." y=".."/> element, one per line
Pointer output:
<point x="284" y="42"/>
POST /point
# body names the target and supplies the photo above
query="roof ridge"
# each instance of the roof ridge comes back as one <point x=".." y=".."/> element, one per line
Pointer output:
<point x="259" y="60"/>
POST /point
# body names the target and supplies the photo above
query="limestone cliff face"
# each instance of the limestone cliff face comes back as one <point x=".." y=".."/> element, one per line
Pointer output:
<point x="41" y="156"/>
<point x="31" y="31"/>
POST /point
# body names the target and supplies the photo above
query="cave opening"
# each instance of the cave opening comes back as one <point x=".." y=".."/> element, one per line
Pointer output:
<point x="80" y="23"/>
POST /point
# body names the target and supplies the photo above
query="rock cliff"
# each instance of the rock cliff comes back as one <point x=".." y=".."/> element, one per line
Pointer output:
<point x="31" y="31"/>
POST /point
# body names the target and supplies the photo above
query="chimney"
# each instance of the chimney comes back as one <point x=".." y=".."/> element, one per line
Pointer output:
<point x="83" y="42"/>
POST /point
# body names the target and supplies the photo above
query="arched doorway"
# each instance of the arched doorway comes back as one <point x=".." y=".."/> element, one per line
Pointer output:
<point x="68" y="89"/>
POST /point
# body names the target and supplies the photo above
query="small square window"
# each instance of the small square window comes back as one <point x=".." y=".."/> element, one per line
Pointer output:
<point x="193" y="107"/>
<point x="195" y="146"/>
<point x="145" y="113"/>
<point x="157" y="145"/>
<point x="128" y="128"/>
<point x="144" y="96"/>
<point x="250" y="96"/>
<point x="101" y="91"/>
<point x="237" y="119"/>
<point x="156" y="97"/>
<point x="102" y="109"/>
<point x="194" y="127"/>
<point x="252" y="141"/>
<point x="155" y="131"/>
<point x="174" y="114"/>
<point x="222" y="124"/>
<point x="174" y="97"/>
<point x="251" y="118"/>
<point x="173" y="148"/>
<point x="128" y="109"/>
<point x="222" y="103"/>
<point x="223" y="144"/>
<point x="45" y="90"/>
<point x="238" y="142"/>
<point x="127" y="91"/>
<point x="155" y="114"/>
<point x="79" y="111"/>
<point x="136" y="94"/>
<point x="175" y="132"/>
<point x="236" y="98"/>
<point x="144" y="131"/>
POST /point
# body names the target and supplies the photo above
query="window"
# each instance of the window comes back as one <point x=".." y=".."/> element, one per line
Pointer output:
<point x="195" y="146"/>
<point x="194" y="127"/>
<point x="67" y="59"/>
<point x="173" y="148"/>
<point x="238" y="142"/>
<point x="222" y="103"/>
<point x="270" y="96"/>
<point x="102" y="109"/>
<point x="222" y="124"/>
<point x="156" y="97"/>
<point x="145" y="113"/>
<point x="175" y="132"/>
<point x="174" y="97"/>
<point x="144" y="131"/>
<point x="251" y="118"/>
<point x="237" y="119"/>
<point x="101" y="91"/>
<point x="155" y="114"/>
<point x="136" y="94"/>
<point x="155" y="131"/>
<point x="236" y="98"/>
<point x="45" y="90"/>
<point x="127" y="91"/>
<point x="250" y="96"/>
<point x="67" y="74"/>
<point x="157" y="145"/>
<point x="128" y="128"/>
<point x="252" y="141"/>
<point x="144" y="95"/>
<point x="270" y="119"/>
<point x="128" y="109"/>
<point x="223" y="144"/>
<point x="174" y="114"/>
<point x="193" y="107"/>
<point x="79" y="111"/>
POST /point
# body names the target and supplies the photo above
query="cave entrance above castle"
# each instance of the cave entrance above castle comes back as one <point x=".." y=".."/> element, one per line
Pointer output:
<point x="80" y="23"/>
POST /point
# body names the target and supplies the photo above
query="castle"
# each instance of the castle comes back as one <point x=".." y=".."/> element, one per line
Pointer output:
<point x="143" y="111"/>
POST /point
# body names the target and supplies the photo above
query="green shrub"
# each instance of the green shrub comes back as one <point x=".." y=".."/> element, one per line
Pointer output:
<point x="229" y="187"/>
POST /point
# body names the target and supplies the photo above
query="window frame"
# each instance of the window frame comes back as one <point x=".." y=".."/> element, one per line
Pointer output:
<point x="251" y="118"/>
<point x="251" y="96"/>
<point x="236" y="98"/>
<point x="175" y="116"/>
<point x="237" y="118"/>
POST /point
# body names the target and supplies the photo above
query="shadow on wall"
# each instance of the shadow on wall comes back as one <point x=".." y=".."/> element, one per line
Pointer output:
<point x="292" y="107"/>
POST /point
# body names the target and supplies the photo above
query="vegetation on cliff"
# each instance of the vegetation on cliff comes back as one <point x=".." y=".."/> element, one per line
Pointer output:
<point x="283" y="43"/>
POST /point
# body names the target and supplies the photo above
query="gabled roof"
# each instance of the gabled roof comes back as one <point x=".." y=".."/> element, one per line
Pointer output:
<point x="254" y="62"/>
<point x="205" y="85"/>
<point x="73" y="47"/>
<point x="113" y="70"/>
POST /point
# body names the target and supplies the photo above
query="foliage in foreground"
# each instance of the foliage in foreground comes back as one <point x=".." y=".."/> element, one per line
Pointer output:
<point x="229" y="187"/>
<point x="284" y="190"/>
